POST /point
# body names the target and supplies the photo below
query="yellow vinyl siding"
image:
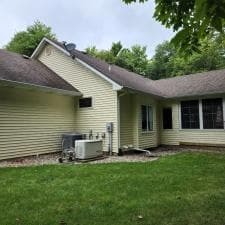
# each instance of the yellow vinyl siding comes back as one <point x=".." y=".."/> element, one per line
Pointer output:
<point x="126" y="120"/>
<point x="177" y="135"/>
<point x="131" y="121"/>
<point x="90" y="85"/>
<point x="32" y="122"/>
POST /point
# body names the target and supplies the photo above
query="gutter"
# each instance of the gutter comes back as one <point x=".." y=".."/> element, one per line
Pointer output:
<point x="192" y="96"/>
<point x="18" y="84"/>
<point x="132" y="90"/>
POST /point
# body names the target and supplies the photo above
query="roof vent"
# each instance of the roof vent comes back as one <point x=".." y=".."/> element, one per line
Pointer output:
<point x="26" y="57"/>
<point x="70" y="47"/>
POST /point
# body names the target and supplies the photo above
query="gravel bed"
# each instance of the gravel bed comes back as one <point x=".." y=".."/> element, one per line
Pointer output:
<point x="31" y="161"/>
<point x="51" y="159"/>
<point x="125" y="158"/>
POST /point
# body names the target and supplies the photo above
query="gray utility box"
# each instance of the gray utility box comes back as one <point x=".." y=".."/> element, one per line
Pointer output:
<point x="68" y="140"/>
<point x="109" y="127"/>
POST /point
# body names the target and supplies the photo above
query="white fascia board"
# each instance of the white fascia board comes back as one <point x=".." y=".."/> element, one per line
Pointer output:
<point x="115" y="86"/>
<point x="42" y="44"/>
<point x="38" y="87"/>
<point x="39" y="47"/>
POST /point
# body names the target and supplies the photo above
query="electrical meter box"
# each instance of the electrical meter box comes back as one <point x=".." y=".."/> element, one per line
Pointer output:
<point x="109" y="127"/>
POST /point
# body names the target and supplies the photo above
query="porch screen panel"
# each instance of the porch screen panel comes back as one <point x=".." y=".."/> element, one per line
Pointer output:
<point x="190" y="114"/>
<point x="212" y="110"/>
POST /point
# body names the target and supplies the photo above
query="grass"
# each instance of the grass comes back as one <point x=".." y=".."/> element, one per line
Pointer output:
<point x="187" y="188"/>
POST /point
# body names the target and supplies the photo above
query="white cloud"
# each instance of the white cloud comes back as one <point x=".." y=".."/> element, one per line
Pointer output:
<point x="86" y="22"/>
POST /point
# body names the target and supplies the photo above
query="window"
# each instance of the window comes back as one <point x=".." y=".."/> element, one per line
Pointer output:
<point x="212" y="110"/>
<point x="147" y="118"/>
<point x="85" y="102"/>
<point x="190" y="114"/>
<point x="167" y="118"/>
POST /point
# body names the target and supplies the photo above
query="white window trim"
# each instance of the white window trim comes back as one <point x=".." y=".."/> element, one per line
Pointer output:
<point x="179" y="115"/>
<point x="201" y="116"/>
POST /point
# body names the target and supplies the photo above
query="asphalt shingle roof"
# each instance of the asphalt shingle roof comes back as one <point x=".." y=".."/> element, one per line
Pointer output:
<point x="212" y="82"/>
<point x="15" y="67"/>
<point x="205" y="83"/>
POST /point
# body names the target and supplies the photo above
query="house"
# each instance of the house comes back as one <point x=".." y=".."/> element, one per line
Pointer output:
<point x="57" y="91"/>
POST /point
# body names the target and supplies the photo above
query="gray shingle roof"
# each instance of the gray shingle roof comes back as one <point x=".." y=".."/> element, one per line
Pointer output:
<point x="212" y="82"/>
<point x="14" y="67"/>
<point x="205" y="83"/>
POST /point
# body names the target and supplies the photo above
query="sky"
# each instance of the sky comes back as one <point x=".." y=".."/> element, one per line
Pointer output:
<point x="86" y="22"/>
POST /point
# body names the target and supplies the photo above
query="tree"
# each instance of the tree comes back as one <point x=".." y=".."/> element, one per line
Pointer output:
<point x="134" y="59"/>
<point x="169" y="61"/>
<point x="193" y="20"/>
<point x="116" y="48"/>
<point x="25" y="42"/>
<point x="158" y="66"/>
<point x="107" y="55"/>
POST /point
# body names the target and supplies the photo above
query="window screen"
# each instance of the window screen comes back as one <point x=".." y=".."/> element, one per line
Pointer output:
<point x="147" y="118"/>
<point x="212" y="110"/>
<point x="190" y="114"/>
<point x="167" y="118"/>
<point x="85" y="102"/>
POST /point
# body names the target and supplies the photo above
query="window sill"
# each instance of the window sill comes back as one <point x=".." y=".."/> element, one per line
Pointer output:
<point x="147" y="132"/>
<point x="203" y="130"/>
<point x="86" y="108"/>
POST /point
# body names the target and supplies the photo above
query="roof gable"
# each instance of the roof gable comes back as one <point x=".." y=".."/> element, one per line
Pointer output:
<point x="62" y="48"/>
<point x="117" y="76"/>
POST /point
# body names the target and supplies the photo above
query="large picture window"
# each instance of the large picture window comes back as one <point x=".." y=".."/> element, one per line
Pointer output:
<point x="212" y="110"/>
<point x="167" y="118"/>
<point x="190" y="114"/>
<point x="147" y="118"/>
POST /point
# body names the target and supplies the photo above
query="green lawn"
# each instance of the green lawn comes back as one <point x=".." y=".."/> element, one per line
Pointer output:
<point x="187" y="188"/>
